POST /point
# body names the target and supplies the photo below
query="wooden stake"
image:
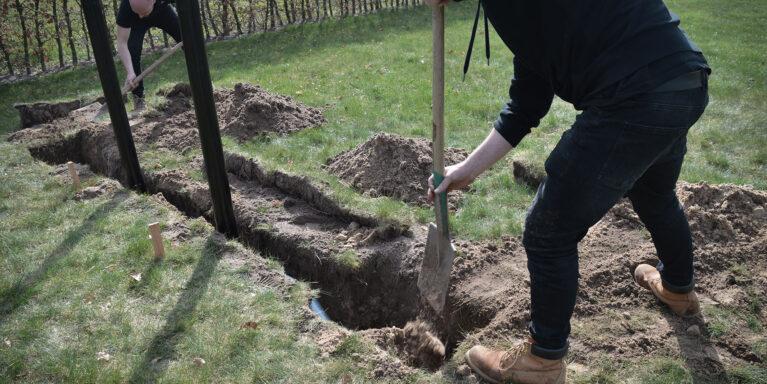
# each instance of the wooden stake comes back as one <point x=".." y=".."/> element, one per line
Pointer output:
<point x="73" y="174"/>
<point x="156" y="235"/>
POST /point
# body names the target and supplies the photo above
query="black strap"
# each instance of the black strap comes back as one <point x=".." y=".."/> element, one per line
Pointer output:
<point x="471" y="41"/>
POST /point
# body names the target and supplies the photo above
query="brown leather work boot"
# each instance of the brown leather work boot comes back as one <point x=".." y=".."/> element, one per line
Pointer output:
<point x="518" y="365"/>
<point x="683" y="304"/>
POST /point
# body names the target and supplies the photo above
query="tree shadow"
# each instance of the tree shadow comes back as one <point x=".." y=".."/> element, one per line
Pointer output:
<point x="16" y="296"/>
<point x="700" y="355"/>
<point x="162" y="348"/>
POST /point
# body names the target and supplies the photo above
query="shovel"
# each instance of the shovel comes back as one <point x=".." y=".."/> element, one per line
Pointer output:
<point x="434" y="279"/>
<point x="127" y="88"/>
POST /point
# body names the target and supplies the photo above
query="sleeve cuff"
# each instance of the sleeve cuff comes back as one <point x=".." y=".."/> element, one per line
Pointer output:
<point x="513" y="133"/>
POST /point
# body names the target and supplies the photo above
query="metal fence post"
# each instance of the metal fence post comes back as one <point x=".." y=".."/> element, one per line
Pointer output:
<point x="102" y="52"/>
<point x="205" y="109"/>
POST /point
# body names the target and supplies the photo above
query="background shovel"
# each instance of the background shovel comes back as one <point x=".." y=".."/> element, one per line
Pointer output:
<point x="104" y="108"/>
<point x="434" y="279"/>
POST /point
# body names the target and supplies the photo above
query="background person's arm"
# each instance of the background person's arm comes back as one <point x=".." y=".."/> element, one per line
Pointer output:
<point x="122" y="51"/>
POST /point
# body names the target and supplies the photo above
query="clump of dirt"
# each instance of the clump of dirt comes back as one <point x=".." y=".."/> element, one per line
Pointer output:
<point x="527" y="173"/>
<point x="106" y="187"/>
<point x="724" y="213"/>
<point x="392" y="165"/>
<point x="40" y="113"/>
<point x="178" y="99"/>
<point x="416" y="342"/>
<point x="249" y="110"/>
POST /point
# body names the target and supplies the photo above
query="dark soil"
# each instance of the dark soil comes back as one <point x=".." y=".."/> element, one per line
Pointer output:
<point x="393" y="166"/>
<point x="295" y="221"/>
<point x="245" y="111"/>
<point x="39" y="113"/>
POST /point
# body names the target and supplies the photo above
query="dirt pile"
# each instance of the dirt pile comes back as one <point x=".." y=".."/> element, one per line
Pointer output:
<point x="249" y="110"/>
<point x="393" y="166"/>
<point x="724" y="213"/>
<point x="39" y="113"/>
<point x="245" y="111"/>
<point x="178" y="99"/>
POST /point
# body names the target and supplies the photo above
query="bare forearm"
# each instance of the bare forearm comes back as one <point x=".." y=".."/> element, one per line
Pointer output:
<point x="492" y="149"/>
<point x="124" y="54"/>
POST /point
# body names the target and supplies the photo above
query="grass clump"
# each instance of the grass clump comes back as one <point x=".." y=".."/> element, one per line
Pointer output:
<point x="349" y="259"/>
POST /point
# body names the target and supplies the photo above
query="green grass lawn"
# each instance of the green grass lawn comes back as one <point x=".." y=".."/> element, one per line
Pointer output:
<point x="372" y="74"/>
<point x="68" y="296"/>
<point x="65" y="288"/>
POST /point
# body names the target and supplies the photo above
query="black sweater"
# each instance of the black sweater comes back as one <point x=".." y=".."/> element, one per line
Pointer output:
<point x="578" y="48"/>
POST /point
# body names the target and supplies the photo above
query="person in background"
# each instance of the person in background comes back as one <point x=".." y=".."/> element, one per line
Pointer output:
<point x="134" y="18"/>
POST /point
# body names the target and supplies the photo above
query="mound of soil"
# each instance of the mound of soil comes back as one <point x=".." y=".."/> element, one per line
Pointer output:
<point x="393" y="166"/>
<point x="245" y="111"/>
<point x="249" y="110"/>
<point x="178" y="99"/>
<point x="39" y="113"/>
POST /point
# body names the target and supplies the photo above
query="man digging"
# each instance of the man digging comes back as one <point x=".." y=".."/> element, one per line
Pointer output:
<point x="134" y="18"/>
<point x="640" y="84"/>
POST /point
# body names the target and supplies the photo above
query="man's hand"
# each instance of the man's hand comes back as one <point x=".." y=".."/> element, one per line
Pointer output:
<point x="458" y="176"/>
<point x="130" y="81"/>
<point x="436" y="2"/>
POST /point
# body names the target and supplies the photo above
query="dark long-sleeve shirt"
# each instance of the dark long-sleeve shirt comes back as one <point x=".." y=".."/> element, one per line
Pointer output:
<point x="587" y="52"/>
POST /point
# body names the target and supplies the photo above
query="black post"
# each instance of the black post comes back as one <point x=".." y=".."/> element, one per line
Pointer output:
<point x="102" y="52"/>
<point x="205" y="109"/>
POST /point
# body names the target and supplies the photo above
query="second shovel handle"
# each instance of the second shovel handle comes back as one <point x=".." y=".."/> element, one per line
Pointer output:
<point x="152" y="67"/>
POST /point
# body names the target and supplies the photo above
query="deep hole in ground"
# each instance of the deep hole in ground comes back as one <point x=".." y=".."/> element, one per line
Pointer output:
<point x="366" y="270"/>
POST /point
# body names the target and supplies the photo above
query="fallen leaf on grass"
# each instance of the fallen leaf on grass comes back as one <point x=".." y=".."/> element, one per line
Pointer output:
<point x="136" y="276"/>
<point x="7" y="342"/>
<point x="103" y="356"/>
<point x="346" y="378"/>
<point x="249" y="324"/>
<point x="198" y="361"/>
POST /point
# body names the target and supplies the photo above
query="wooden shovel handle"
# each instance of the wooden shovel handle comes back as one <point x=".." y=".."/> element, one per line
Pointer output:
<point x="438" y="111"/>
<point x="127" y="88"/>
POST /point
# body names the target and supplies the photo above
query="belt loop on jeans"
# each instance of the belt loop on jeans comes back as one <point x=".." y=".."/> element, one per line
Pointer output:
<point x="689" y="80"/>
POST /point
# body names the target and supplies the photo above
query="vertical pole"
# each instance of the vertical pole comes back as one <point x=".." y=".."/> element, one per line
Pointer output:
<point x="102" y="52"/>
<point x="73" y="174"/>
<point x="205" y="109"/>
<point x="156" y="235"/>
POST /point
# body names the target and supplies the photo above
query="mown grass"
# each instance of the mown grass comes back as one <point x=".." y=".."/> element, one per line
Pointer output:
<point x="372" y="74"/>
<point x="67" y="295"/>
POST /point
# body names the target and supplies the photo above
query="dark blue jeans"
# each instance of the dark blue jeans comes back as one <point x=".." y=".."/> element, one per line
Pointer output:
<point x="633" y="148"/>
<point x="164" y="17"/>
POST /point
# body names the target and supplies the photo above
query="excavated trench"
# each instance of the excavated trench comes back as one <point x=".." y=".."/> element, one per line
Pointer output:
<point x="292" y="220"/>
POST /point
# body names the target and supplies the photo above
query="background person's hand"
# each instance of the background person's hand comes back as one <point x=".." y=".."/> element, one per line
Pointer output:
<point x="458" y="176"/>
<point x="130" y="81"/>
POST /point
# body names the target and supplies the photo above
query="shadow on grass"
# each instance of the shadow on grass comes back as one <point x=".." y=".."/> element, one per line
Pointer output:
<point x="700" y="356"/>
<point x="162" y="348"/>
<point x="16" y="296"/>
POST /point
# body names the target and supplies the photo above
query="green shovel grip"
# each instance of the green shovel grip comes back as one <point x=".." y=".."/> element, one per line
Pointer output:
<point x="442" y="206"/>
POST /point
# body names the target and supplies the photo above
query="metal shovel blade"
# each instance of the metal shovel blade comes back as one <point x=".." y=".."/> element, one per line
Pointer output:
<point x="434" y="279"/>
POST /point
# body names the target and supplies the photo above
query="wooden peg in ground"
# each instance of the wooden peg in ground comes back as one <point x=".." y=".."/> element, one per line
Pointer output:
<point x="156" y="235"/>
<point x="73" y="174"/>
